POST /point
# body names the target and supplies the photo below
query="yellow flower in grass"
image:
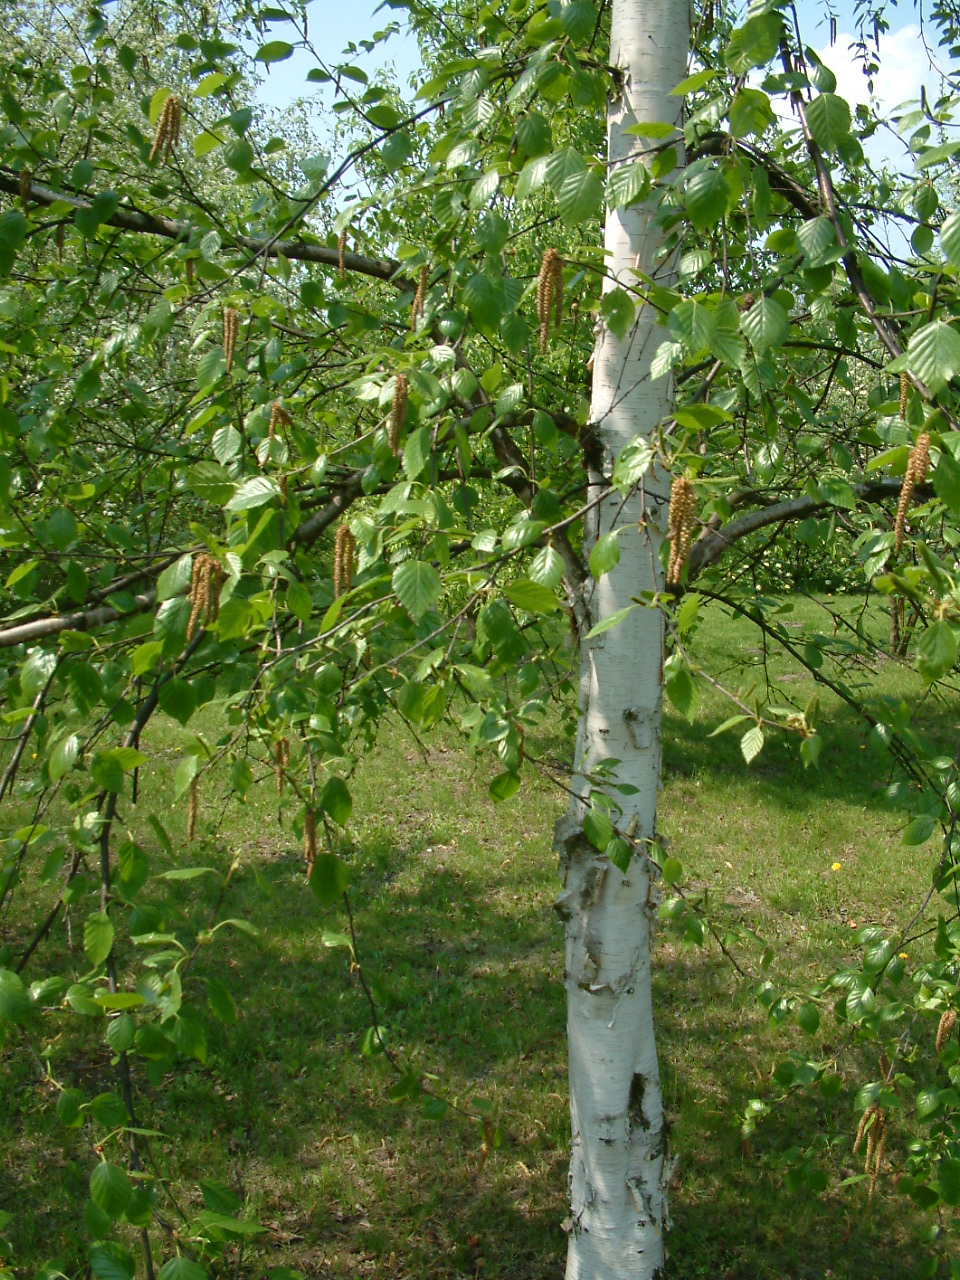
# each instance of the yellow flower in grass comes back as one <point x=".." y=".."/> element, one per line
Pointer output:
<point x="835" y="867"/>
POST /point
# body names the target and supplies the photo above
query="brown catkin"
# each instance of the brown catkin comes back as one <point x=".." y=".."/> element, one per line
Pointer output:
<point x="419" y="298"/>
<point x="683" y="509"/>
<point x="281" y="760"/>
<point x="193" y="808"/>
<point x="205" y="582"/>
<point x="398" y="411"/>
<point x="948" y="1020"/>
<point x="231" y="328"/>
<point x="904" y="387"/>
<point x="309" y="839"/>
<point x="167" y="134"/>
<point x="278" y="418"/>
<point x="342" y="561"/>
<point x="25" y="177"/>
<point x="549" y="294"/>
<point x="916" y="473"/>
<point x="189" y="273"/>
<point x="341" y="253"/>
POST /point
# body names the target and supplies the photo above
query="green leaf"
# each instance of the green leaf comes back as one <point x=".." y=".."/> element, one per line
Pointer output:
<point x="933" y="355"/>
<point x="672" y="871"/>
<point x="950" y="239"/>
<point x="946" y="481"/>
<point x="253" y="493"/>
<point x="919" y="830"/>
<point x="751" y="744"/>
<point x="15" y="1003"/>
<point x="110" y="1189"/>
<point x="274" y="51"/>
<point x="750" y="112"/>
<point x="329" y="878"/>
<point x="605" y="554"/>
<point x="580" y="198"/>
<point x="504" y="786"/>
<point x="808" y="1018"/>
<point x="110" y="1260"/>
<point x="97" y="937"/>
<point x="177" y="699"/>
<point x="221" y="1001"/>
<point x="418" y="587"/>
<point x="335" y="800"/>
<point x="68" y="1108"/>
<point x="707" y="195"/>
<point x="829" y="119"/>
<point x="937" y="651"/>
<point x="948" y="1180"/>
<point x="64" y="757"/>
<point x="610" y="621"/>
<point x="598" y="828"/>
<point x="532" y="596"/>
<point x="618" y="311"/>
<point x="181" y="1268"/>
<point x="766" y="324"/>
<point x="627" y="184"/>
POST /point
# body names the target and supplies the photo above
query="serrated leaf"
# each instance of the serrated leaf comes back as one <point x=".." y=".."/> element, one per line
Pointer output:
<point x="950" y="239"/>
<point x="580" y="198"/>
<point x="751" y="744"/>
<point x="829" y="119"/>
<point x="253" y="493"/>
<point x="532" y="596"/>
<point x="605" y="554"/>
<point x="418" y="587"/>
<point x="628" y="183"/>
<point x="919" y="830"/>
<point x="15" y="1003"/>
<point x="329" y="878"/>
<point x="64" y="757"/>
<point x="707" y="194"/>
<point x="766" y="324"/>
<point x="336" y="801"/>
<point x="933" y="354"/>
<point x="598" y="828"/>
<point x="97" y="937"/>
<point x="610" y="621"/>
<point x="274" y="51"/>
<point x="110" y="1189"/>
<point x="110" y="1260"/>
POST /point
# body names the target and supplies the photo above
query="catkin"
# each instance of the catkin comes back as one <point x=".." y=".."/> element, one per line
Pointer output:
<point x="419" y="298"/>
<point x="278" y="418"/>
<point x="917" y="465"/>
<point x="231" y="328"/>
<point x="193" y="807"/>
<point x="342" y="561"/>
<point x="205" y="582"/>
<point x="25" y="177"/>
<point x="189" y="273"/>
<point x="683" y="508"/>
<point x="549" y="294"/>
<point x="948" y="1020"/>
<point x="341" y="253"/>
<point x="873" y="1126"/>
<point x="168" y="129"/>
<point x="398" y="411"/>
<point x="309" y="839"/>
<point x="281" y="760"/>
<point x="904" y="387"/>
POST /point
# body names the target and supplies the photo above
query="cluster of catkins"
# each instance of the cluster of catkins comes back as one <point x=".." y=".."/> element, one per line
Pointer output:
<point x="917" y="466"/>
<point x="205" y="582"/>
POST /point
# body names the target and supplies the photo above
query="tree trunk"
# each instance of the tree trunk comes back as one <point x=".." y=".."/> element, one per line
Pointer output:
<point x="617" y="1159"/>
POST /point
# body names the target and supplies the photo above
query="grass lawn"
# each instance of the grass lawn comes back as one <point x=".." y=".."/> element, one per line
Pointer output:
<point x="452" y="898"/>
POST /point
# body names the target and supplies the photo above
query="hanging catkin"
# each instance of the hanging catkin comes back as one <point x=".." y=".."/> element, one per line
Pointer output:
<point x="904" y="387"/>
<point x="309" y="840"/>
<point x="549" y="294"/>
<point x="168" y="129"/>
<point x="231" y="328"/>
<point x="193" y="807"/>
<point x="342" y="561"/>
<point x="419" y="298"/>
<point x="683" y="508"/>
<point x="917" y="465"/>
<point x="341" y="253"/>
<point x="398" y="411"/>
<point x="281" y="761"/>
<point x="948" y="1020"/>
<point x="205" y="582"/>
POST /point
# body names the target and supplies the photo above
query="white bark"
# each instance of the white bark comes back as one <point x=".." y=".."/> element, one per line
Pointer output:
<point x="617" y="1160"/>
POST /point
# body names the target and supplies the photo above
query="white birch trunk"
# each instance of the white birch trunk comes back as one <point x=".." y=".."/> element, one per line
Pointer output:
<point x="617" y="1159"/>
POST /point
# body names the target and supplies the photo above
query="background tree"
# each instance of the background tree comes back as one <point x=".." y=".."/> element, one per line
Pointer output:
<point x="312" y="437"/>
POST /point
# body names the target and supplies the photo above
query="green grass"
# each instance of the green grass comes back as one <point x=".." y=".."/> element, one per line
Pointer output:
<point x="453" y="905"/>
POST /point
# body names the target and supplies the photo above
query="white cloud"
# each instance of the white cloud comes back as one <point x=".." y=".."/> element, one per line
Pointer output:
<point x="904" y="66"/>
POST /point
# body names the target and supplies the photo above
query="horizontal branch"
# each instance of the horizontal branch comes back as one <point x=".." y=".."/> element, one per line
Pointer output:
<point x="83" y="620"/>
<point x="712" y="543"/>
<point x="152" y="224"/>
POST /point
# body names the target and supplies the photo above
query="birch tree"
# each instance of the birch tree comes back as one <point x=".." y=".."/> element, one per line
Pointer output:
<point x="307" y="430"/>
